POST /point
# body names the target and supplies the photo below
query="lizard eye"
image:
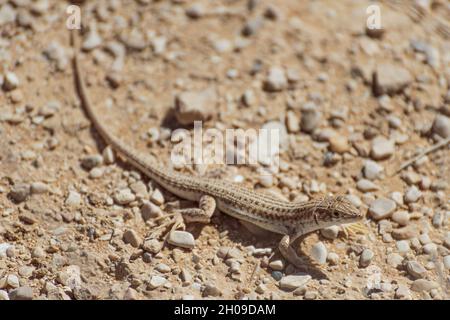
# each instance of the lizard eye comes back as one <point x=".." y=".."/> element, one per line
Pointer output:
<point x="335" y="214"/>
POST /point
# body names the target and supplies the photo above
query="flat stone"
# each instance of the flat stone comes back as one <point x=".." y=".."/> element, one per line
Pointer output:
<point x="181" y="239"/>
<point x="319" y="252"/>
<point x="156" y="281"/>
<point x="402" y="246"/>
<point x="365" y="185"/>
<point x="401" y="217"/>
<point x="404" y="233"/>
<point x="415" y="269"/>
<point x="391" y="79"/>
<point x="382" y="148"/>
<point x="424" y="285"/>
<point x="292" y="282"/>
<point x="152" y="246"/>
<point x="131" y="237"/>
<point x="124" y="196"/>
<point x="394" y="260"/>
<point x="382" y="208"/>
<point x="73" y="199"/>
<point x="277" y="265"/>
<point x="372" y="170"/>
<point x="21" y="293"/>
<point x="330" y="232"/>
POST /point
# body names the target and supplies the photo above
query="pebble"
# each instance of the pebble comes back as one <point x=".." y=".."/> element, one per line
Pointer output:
<point x="441" y="126"/>
<point x="3" y="295"/>
<point x="211" y="290"/>
<point x="382" y="208"/>
<point x="124" y="196"/>
<point x="163" y="268"/>
<point x="401" y="217"/>
<point x="150" y="211"/>
<point x="382" y="148"/>
<point x="415" y="269"/>
<point x="339" y="144"/>
<point x="70" y="276"/>
<point x="156" y="281"/>
<point x="73" y="199"/>
<point x="266" y="180"/>
<point x="330" y="233"/>
<point x="277" y="275"/>
<point x="38" y="188"/>
<point x="193" y="106"/>
<point x="91" y="161"/>
<point x="430" y="248"/>
<point x="333" y="258"/>
<point x="152" y="246"/>
<point x="93" y="39"/>
<point x="108" y="155"/>
<point x="276" y="265"/>
<point x="21" y="293"/>
<point x="181" y="239"/>
<point x="9" y="281"/>
<point x="402" y="292"/>
<point x="19" y="192"/>
<point x="157" y="197"/>
<point x="404" y="233"/>
<point x="391" y="79"/>
<point x="424" y="238"/>
<point x="424" y="285"/>
<point x="310" y="118"/>
<point x="276" y="80"/>
<point x="310" y="295"/>
<point x="372" y="170"/>
<point x="394" y="260"/>
<point x="365" y="185"/>
<point x="131" y="237"/>
<point x="365" y="258"/>
<point x="447" y="262"/>
<point x="11" y="81"/>
<point x="292" y="282"/>
<point x="319" y="253"/>
<point x="292" y="122"/>
<point x="413" y="194"/>
<point x="402" y="246"/>
<point x="96" y="173"/>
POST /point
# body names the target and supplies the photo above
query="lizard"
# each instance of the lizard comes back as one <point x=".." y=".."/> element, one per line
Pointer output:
<point x="290" y="219"/>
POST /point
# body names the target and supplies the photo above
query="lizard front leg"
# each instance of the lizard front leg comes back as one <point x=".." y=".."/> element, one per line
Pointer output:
<point x="285" y="247"/>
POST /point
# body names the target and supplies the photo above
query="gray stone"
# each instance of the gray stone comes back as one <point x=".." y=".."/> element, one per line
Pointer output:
<point x="211" y="290"/>
<point x="402" y="292"/>
<point x="391" y="79"/>
<point x="441" y="126"/>
<point x="276" y="80"/>
<point x="193" y="106"/>
<point x="382" y="148"/>
<point x="131" y="237"/>
<point x="310" y="118"/>
<point x="319" y="252"/>
<point x="181" y="239"/>
<point x="382" y="208"/>
<point x="156" y="281"/>
<point x="366" y="258"/>
<point x="124" y="196"/>
<point x="412" y="195"/>
<point x="292" y="282"/>
<point x="38" y="188"/>
<point x="402" y="246"/>
<point x="150" y="211"/>
<point x="401" y="217"/>
<point x="91" y="161"/>
<point x="330" y="232"/>
<point x="447" y="262"/>
<point x="372" y="170"/>
<point x="424" y="285"/>
<point x="19" y="192"/>
<point x="21" y="293"/>
<point x="415" y="269"/>
<point x="365" y="185"/>
<point x="394" y="260"/>
<point x="73" y="199"/>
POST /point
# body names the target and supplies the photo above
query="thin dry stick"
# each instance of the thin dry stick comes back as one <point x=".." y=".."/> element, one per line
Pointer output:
<point x="430" y="149"/>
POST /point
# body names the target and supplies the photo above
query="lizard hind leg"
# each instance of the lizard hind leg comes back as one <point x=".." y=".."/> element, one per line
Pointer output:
<point x="288" y="252"/>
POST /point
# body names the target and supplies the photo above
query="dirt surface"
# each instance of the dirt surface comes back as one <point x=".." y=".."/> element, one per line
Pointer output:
<point x="355" y="104"/>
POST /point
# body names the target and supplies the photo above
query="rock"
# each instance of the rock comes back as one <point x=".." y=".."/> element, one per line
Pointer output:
<point x="319" y="253"/>
<point x="277" y="275"/>
<point x="310" y="295"/>
<point x="292" y="282"/>
<point x="430" y="248"/>
<point x="211" y="290"/>
<point x="157" y="197"/>
<point x="447" y="262"/>
<point x="372" y="170"/>
<point x="310" y="118"/>
<point x="330" y="232"/>
<point x="193" y="106"/>
<point x="382" y="208"/>
<point x="365" y="258"/>
<point x="276" y="265"/>
<point x="292" y="122"/>
<point x="131" y="237"/>
<point x="195" y="11"/>
<point x="339" y="144"/>
<point x="404" y="233"/>
<point x="266" y="180"/>
<point x="402" y="292"/>
<point x="252" y="26"/>
<point x="93" y="39"/>
<point x="124" y="196"/>
<point x="181" y="239"/>
<point x="19" y="192"/>
<point x="382" y="148"/>
<point x="276" y="80"/>
<point x="156" y="281"/>
<point x="91" y="161"/>
<point x="412" y="195"/>
<point x="394" y="260"/>
<point x="21" y="293"/>
<point x="4" y="247"/>
<point x="11" y="81"/>
<point x="70" y="276"/>
<point x="152" y="246"/>
<point x="9" y="281"/>
<point x="365" y="185"/>
<point x="424" y="238"/>
<point x="424" y="285"/>
<point x="401" y="217"/>
<point x="391" y="79"/>
<point x="150" y="211"/>
<point x="73" y="199"/>
<point x="402" y="246"/>
<point x="415" y="269"/>
<point x="441" y="126"/>
<point x="248" y="98"/>
<point x="38" y="188"/>
<point x="333" y="258"/>
<point x="163" y="268"/>
<point x="3" y="295"/>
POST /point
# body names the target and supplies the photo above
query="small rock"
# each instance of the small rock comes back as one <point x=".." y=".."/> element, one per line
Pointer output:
<point x="412" y="195"/>
<point x="193" y="106"/>
<point x="372" y="170"/>
<point x="330" y="232"/>
<point x="181" y="239"/>
<point x="430" y="248"/>
<point x="415" y="269"/>
<point x="402" y="292"/>
<point x="319" y="252"/>
<point x="70" y="276"/>
<point x="252" y="26"/>
<point x="404" y="233"/>
<point x="311" y="117"/>
<point x="11" y="81"/>
<point x="19" y="192"/>
<point x="333" y="258"/>
<point x="91" y="161"/>
<point x="3" y="295"/>
<point x="150" y="211"/>
<point x="402" y="246"/>
<point x="73" y="199"/>
<point x="276" y="265"/>
<point x="382" y="208"/>
<point x="38" y="188"/>
<point x="397" y="197"/>
<point x="339" y="144"/>
<point x="447" y="262"/>
<point x="211" y="290"/>
<point x="391" y="79"/>
<point x="365" y="185"/>
<point x="124" y="196"/>
<point x="394" y="260"/>
<point x="157" y="197"/>
<point x="21" y="293"/>
<point x="292" y="282"/>
<point x="424" y="285"/>
<point x="9" y="281"/>
<point x="382" y="148"/>
<point x="163" y="268"/>
<point x="292" y="122"/>
<point x="276" y="80"/>
<point x="93" y="39"/>
<point x="441" y="126"/>
<point x="365" y="258"/>
<point x="401" y="217"/>
<point x="152" y="246"/>
<point x="131" y="237"/>
<point x="156" y="281"/>
<point x="310" y="295"/>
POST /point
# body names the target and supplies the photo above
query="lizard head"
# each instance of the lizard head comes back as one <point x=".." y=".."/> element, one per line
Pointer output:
<point x="328" y="211"/>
